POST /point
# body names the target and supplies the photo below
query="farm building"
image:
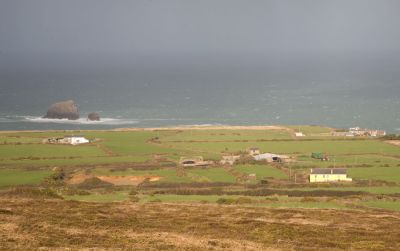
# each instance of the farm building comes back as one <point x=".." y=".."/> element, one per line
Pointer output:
<point x="229" y="159"/>
<point x="299" y="134"/>
<point x="72" y="140"/>
<point x="270" y="157"/>
<point x="194" y="161"/>
<point x="253" y="151"/>
<point x="329" y="175"/>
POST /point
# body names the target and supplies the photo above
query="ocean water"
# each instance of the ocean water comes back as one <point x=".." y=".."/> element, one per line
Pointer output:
<point x="201" y="97"/>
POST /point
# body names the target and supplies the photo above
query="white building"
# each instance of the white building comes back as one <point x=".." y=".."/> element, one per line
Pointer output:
<point x="299" y="134"/>
<point x="75" y="140"/>
<point x="329" y="175"/>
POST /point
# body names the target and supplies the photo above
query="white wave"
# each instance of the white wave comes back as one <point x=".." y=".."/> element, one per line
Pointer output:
<point x="81" y="121"/>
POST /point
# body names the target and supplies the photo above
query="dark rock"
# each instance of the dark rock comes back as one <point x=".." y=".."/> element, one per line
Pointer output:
<point x="63" y="110"/>
<point x="94" y="116"/>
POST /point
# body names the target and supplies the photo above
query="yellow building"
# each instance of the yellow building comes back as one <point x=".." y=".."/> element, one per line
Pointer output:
<point x="329" y="175"/>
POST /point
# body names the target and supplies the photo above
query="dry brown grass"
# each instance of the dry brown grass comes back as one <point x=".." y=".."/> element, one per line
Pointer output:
<point x="27" y="224"/>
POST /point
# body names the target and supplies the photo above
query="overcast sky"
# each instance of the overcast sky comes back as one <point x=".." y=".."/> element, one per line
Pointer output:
<point x="98" y="34"/>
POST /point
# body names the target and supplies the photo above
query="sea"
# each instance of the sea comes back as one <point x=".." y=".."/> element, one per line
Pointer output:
<point x="165" y="98"/>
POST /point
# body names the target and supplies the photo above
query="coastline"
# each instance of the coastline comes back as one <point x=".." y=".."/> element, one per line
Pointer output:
<point x="174" y="128"/>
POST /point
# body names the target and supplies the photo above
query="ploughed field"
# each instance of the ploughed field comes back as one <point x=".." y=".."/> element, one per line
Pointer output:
<point x="127" y="190"/>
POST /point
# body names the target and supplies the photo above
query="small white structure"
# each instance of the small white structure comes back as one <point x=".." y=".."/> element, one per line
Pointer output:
<point x="75" y="140"/>
<point x="299" y="134"/>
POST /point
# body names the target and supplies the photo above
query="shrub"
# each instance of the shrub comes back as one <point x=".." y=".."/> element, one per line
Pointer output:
<point x="226" y="201"/>
<point x="93" y="183"/>
<point x="134" y="198"/>
<point x="308" y="199"/>
<point x="243" y="200"/>
<point x="30" y="192"/>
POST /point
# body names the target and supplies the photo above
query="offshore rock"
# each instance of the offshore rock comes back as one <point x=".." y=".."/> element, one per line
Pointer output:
<point x="63" y="110"/>
<point x="93" y="116"/>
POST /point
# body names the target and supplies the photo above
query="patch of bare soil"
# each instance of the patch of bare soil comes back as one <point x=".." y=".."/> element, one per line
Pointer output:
<point x="393" y="142"/>
<point x="78" y="178"/>
<point x="127" y="180"/>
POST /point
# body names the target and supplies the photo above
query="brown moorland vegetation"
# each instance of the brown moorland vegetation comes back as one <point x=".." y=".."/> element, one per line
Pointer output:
<point x="55" y="224"/>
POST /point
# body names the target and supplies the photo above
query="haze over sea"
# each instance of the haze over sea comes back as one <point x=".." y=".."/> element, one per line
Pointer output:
<point x="322" y="93"/>
<point x="163" y="63"/>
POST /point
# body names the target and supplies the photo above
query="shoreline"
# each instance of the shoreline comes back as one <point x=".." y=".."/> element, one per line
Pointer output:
<point x="174" y="128"/>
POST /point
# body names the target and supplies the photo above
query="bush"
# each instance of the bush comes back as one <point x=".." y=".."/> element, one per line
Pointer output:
<point x="308" y="199"/>
<point x="156" y="200"/>
<point x="133" y="192"/>
<point x="226" y="201"/>
<point x="29" y="192"/>
<point x="134" y="198"/>
<point x="243" y="200"/>
<point x="93" y="183"/>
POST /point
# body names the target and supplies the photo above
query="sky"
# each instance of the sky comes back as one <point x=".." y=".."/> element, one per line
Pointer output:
<point x="121" y="35"/>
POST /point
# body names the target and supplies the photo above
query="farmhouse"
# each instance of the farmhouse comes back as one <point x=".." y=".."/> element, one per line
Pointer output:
<point x="329" y="175"/>
<point x="72" y="140"/>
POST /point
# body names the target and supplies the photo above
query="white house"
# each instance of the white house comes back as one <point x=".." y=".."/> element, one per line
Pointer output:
<point x="299" y="134"/>
<point x="329" y="175"/>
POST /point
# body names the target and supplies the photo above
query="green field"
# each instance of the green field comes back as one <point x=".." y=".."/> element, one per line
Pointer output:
<point x="12" y="177"/>
<point x="211" y="175"/>
<point x="261" y="171"/>
<point x="276" y="202"/>
<point x="144" y="153"/>
<point x="376" y="173"/>
<point x="381" y="204"/>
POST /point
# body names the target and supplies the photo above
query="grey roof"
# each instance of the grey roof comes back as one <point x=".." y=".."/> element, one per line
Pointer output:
<point x="329" y="171"/>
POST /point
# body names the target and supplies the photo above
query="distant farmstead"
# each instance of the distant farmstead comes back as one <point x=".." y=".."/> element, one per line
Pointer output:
<point x="71" y="140"/>
<point x="329" y="175"/>
<point x="357" y="131"/>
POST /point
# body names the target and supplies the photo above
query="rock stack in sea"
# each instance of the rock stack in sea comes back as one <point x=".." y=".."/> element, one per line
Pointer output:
<point x="63" y="110"/>
<point x="93" y="116"/>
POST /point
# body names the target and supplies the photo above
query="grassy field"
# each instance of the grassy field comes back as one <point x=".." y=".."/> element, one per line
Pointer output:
<point x="261" y="171"/>
<point x="211" y="175"/>
<point x="13" y="177"/>
<point x="376" y="173"/>
<point x="331" y="147"/>
<point x="389" y="205"/>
